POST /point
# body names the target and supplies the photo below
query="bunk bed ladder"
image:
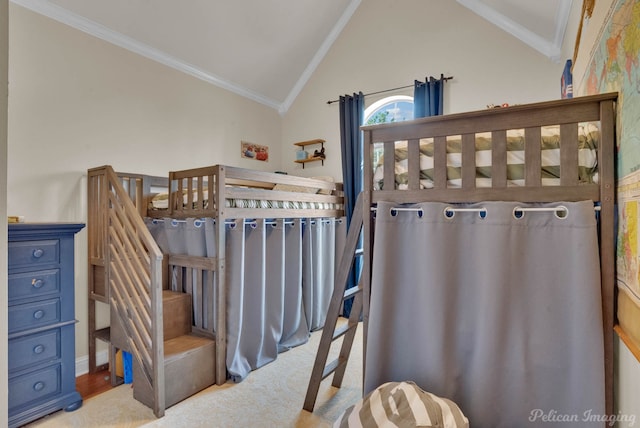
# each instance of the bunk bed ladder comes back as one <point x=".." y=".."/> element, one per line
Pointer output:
<point x="321" y="370"/>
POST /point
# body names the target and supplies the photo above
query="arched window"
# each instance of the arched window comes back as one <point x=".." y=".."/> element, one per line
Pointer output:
<point x="390" y="109"/>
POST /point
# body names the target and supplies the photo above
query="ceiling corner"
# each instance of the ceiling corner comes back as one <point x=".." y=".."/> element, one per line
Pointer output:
<point x="550" y="45"/>
<point x="319" y="55"/>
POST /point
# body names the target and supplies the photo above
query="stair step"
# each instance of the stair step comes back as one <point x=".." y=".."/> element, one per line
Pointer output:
<point x="189" y="366"/>
<point x="178" y="347"/>
<point x="189" y="363"/>
<point x="176" y="321"/>
<point x="176" y="308"/>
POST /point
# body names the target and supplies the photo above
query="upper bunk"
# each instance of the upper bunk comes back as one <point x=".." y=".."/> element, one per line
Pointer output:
<point x="224" y="192"/>
<point x="547" y="151"/>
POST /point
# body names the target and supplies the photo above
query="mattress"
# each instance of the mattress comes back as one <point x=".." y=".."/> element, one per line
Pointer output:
<point x="161" y="202"/>
<point x="550" y="159"/>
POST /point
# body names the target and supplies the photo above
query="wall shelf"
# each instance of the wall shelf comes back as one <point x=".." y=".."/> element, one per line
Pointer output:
<point x="303" y="144"/>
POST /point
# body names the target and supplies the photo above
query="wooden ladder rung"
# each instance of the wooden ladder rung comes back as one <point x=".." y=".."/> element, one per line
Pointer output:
<point x="351" y="292"/>
<point x="333" y="366"/>
<point x="342" y="330"/>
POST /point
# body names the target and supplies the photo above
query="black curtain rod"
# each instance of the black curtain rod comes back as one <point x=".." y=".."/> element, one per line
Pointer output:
<point x="390" y="90"/>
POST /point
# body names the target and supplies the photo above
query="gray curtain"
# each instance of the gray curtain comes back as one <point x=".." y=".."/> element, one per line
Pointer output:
<point x="156" y="228"/>
<point x="295" y="330"/>
<point x="351" y="149"/>
<point x="279" y="276"/>
<point x="318" y="261"/>
<point x="254" y="298"/>
<point x="500" y="314"/>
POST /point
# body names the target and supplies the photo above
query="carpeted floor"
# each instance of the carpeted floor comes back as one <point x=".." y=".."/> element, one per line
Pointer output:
<point x="271" y="396"/>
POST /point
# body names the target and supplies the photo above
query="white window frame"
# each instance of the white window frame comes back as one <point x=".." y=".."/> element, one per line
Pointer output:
<point x="373" y="109"/>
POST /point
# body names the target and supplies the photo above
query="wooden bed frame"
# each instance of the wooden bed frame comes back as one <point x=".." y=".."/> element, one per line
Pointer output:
<point x="566" y="113"/>
<point x="117" y="206"/>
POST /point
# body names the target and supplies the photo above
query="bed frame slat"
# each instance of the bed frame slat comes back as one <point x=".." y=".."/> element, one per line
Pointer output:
<point x="413" y="164"/>
<point x="440" y="162"/>
<point x="569" y="154"/>
<point x="499" y="158"/>
<point x="468" y="161"/>
<point x="606" y="170"/>
<point x="389" y="164"/>
<point x="580" y="192"/>
<point x="532" y="157"/>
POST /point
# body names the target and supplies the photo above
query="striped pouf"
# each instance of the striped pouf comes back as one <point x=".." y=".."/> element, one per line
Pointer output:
<point x="402" y="404"/>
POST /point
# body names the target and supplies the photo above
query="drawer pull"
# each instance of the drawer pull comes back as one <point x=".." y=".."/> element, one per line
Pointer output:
<point x="38" y="386"/>
<point x="38" y="349"/>
<point x="37" y="283"/>
<point x="38" y="314"/>
<point x="38" y="252"/>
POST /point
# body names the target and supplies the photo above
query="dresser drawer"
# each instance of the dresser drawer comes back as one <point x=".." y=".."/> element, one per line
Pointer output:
<point x="33" y="349"/>
<point x="34" y="314"/>
<point x="41" y="320"/>
<point x="35" y="386"/>
<point x="33" y="284"/>
<point x="33" y="253"/>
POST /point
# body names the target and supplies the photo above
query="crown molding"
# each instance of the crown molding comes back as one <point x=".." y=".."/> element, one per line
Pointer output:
<point x="562" y="21"/>
<point x="550" y="48"/>
<point x="78" y="22"/>
<point x="319" y="56"/>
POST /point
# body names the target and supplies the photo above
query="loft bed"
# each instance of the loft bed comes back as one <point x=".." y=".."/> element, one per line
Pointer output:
<point x="120" y="206"/>
<point x="438" y="159"/>
<point x="246" y="194"/>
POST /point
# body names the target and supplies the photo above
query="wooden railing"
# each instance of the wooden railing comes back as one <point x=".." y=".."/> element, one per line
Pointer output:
<point x="134" y="264"/>
<point x="204" y="192"/>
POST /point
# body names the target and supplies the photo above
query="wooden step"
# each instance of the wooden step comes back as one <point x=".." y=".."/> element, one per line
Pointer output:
<point x="189" y="368"/>
<point x="176" y="319"/>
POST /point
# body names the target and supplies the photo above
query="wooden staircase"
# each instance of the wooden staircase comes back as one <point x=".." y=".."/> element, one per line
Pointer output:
<point x="189" y="359"/>
<point x="171" y="339"/>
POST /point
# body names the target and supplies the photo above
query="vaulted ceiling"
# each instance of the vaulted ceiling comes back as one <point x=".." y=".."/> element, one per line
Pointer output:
<point x="266" y="50"/>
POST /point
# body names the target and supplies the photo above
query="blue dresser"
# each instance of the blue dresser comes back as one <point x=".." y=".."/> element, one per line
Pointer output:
<point x="41" y="320"/>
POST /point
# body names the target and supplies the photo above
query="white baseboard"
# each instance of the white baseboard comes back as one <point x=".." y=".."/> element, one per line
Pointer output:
<point x="82" y="363"/>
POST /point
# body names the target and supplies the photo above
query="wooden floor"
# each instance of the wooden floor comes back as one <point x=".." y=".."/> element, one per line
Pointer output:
<point x="91" y="384"/>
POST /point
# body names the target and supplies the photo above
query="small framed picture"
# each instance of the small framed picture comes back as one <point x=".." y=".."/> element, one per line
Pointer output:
<point x="254" y="151"/>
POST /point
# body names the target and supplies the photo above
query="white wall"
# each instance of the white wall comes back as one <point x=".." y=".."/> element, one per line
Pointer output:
<point x="4" y="67"/>
<point x="77" y="102"/>
<point x="390" y="44"/>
